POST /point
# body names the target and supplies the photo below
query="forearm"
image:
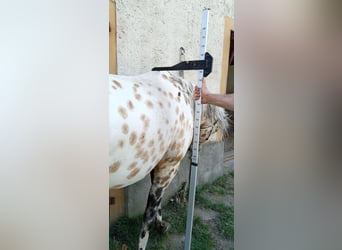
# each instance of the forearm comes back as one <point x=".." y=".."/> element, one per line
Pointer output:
<point x="224" y="101"/>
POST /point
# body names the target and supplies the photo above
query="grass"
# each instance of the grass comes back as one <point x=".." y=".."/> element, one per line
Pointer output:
<point x="126" y="230"/>
<point x="226" y="214"/>
<point x="201" y="236"/>
<point x="220" y="186"/>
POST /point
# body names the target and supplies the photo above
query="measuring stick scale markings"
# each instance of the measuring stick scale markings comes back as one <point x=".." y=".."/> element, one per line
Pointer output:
<point x="204" y="65"/>
<point x="195" y="142"/>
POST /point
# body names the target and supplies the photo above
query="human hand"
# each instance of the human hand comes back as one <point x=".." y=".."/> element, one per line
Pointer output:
<point x="205" y="92"/>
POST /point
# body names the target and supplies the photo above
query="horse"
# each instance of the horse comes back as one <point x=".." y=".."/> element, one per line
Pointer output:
<point x="151" y="128"/>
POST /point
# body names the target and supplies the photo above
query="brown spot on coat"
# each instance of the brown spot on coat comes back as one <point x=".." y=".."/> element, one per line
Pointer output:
<point x="139" y="152"/>
<point x="125" y="128"/>
<point x="137" y="96"/>
<point x="132" y="165"/>
<point x="121" y="143"/>
<point x="133" y="173"/>
<point x="145" y="156"/>
<point x="160" y="104"/>
<point x="133" y="138"/>
<point x="164" y="180"/>
<point x="149" y="104"/>
<point x="114" y="167"/>
<point x="122" y="112"/>
<point x="162" y="165"/>
<point x="117" y="84"/>
<point x="142" y="138"/>
<point x="146" y="124"/>
<point x="181" y="133"/>
<point x="130" y="105"/>
<point x="150" y="143"/>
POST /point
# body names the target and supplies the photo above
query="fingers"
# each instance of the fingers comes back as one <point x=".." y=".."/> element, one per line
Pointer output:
<point x="197" y="93"/>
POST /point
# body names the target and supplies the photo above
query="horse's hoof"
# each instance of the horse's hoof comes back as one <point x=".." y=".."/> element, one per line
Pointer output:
<point x="163" y="226"/>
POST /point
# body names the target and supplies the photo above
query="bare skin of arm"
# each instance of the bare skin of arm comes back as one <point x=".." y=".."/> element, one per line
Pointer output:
<point x="225" y="101"/>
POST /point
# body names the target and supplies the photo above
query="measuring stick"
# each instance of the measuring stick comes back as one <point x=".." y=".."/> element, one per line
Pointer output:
<point x="195" y="140"/>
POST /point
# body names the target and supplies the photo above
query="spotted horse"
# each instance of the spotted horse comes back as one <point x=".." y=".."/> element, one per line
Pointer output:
<point x="151" y="128"/>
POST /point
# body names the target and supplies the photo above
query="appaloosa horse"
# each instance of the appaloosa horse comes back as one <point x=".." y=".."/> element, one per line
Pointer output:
<point x="151" y="129"/>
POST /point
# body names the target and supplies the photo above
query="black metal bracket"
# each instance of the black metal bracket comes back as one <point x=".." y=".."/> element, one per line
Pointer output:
<point x="206" y="65"/>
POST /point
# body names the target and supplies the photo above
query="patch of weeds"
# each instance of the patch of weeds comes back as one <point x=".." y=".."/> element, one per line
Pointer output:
<point x="226" y="222"/>
<point x="202" y="202"/>
<point x="226" y="214"/>
<point x="222" y="186"/>
<point x="176" y="215"/>
<point x="201" y="236"/>
<point x="217" y="187"/>
<point x="231" y="174"/>
<point x="125" y="231"/>
<point x="114" y="244"/>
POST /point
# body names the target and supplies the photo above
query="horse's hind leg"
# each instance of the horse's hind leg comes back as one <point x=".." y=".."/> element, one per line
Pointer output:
<point x="164" y="175"/>
<point x="151" y="211"/>
<point x="160" y="181"/>
<point x="162" y="226"/>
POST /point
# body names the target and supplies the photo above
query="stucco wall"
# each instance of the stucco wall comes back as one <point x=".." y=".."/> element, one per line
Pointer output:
<point x="150" y="33"/>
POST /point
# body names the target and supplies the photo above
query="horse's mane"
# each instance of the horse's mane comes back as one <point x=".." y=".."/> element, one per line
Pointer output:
<point x="212" y="114"/>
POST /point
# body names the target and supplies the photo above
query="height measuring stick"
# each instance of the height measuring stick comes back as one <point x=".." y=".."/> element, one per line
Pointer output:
<point x="195" y="140"/>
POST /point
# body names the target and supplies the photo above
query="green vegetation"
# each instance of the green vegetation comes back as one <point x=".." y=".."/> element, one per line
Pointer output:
<point x="126" y="230"/>
<point x="221" y="186"/>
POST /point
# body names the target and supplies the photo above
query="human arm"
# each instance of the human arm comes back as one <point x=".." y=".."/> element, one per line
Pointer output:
<point x="222" y="100"/>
